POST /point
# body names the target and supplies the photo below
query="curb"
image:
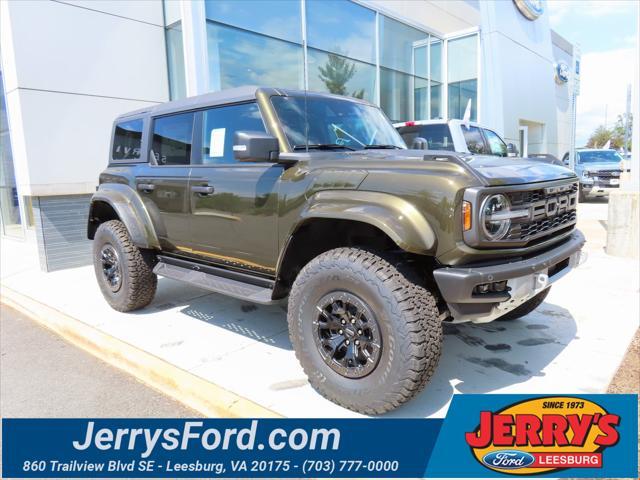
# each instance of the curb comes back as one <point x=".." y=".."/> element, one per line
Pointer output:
<point x="195" y="392"/>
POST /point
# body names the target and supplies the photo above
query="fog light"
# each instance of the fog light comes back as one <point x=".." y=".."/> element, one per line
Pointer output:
<point x="499" y="286"/>
<point x="494" y="287"/>
<point x="482" y="288"/>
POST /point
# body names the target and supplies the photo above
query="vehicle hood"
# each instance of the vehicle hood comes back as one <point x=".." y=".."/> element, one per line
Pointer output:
<point x="594" y="167"/>
<point x="515" y="171"/>
<point x="491" y="171"/>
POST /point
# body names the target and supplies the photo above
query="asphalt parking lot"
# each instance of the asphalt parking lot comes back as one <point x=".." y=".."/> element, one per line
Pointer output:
<point x="573" y="343"/>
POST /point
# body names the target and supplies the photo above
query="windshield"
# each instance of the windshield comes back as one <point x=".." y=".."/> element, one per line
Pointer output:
<point x="335" y="123"/>
<point x="599" y="156"/>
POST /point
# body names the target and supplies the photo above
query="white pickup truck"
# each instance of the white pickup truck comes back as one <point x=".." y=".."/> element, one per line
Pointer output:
<point x="454" y="135"/>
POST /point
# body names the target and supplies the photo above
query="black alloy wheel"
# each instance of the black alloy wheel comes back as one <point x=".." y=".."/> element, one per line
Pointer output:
<point x="347" y="334"/>
<point x="111" y="267"/>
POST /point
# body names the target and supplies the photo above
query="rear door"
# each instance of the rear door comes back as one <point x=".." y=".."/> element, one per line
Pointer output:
<point x="163" y="183"/>
<point x="234" y="204"/>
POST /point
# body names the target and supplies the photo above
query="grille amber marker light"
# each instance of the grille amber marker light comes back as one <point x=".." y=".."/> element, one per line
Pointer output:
<point x="466" y="215"/>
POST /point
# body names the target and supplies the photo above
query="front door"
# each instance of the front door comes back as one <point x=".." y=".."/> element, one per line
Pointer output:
<point x="163" y="185"/>
<point x="234" y="205"/>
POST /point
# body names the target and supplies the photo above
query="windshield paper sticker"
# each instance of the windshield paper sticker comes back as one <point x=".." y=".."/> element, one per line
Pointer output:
<point x="216" y="143"/>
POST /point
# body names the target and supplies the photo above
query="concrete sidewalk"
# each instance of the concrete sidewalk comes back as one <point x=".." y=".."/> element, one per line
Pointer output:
<point x="572" y="344"/>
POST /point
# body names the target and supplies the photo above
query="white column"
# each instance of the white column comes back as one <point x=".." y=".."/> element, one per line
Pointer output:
<point x="194" y="38"/>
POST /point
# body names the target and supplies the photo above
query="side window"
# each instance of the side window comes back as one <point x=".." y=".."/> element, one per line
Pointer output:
<point x="473" y="137"/>
<point x="219" y="126"/>
<point x="172" y="138"/>
<point x="127" y="140"/>
<point x="496" y="145"/>
<point x="437" y="137"/>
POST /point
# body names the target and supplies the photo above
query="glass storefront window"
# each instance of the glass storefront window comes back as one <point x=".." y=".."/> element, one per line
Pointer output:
<point x="397" y="44"/>
<point x="329" y="72"/>
<point x="421" y="98"/>
<point x="275" y="18"/>
<point x="395" y="94"/>
<point x="404" y="70"/>
<point x="237" y="58"/>
<point x="462" y="69"/>
<point x="175" y="60"/>
<point x="435" y="65"/>
<point x="254" y="42"/>
<point x="342" y="27"/>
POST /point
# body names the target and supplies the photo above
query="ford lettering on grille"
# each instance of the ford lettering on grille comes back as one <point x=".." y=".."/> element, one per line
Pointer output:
<point x="542" y="211"/>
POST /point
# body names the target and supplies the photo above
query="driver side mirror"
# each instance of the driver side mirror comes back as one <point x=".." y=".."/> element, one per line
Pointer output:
<point x="255" y="147"/>
<point x="419" y="143"/>
<point x="512" y="150"/>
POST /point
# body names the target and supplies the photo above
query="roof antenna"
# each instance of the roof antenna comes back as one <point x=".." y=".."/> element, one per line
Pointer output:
<point x="467" y="114"/>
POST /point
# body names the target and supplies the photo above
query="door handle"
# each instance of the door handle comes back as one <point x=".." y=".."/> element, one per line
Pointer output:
<point x="203" y="190"/>
<point x="146" y="187"/>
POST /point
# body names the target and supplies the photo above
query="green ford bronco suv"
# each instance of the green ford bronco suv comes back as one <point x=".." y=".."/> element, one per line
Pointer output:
<point x="267" y="194"/>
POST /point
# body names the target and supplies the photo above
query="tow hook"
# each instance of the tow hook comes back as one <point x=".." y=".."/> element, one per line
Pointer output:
<point x="540" y="281"/>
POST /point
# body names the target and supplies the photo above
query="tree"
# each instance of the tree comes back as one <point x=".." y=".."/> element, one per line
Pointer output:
<point x="602" y="135"/>
<point x="599" y="137"/>
<point x="336" y="73"/>
<point x="618" y="131"/>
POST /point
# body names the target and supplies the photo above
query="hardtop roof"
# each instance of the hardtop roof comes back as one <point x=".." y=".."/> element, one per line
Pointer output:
<point x="223" y="97"/>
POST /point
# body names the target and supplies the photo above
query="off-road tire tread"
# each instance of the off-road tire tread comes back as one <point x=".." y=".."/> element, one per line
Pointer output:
<point x="139" y="264"/>
<point x="422" y="343"/>
<point x="526" y="308"/>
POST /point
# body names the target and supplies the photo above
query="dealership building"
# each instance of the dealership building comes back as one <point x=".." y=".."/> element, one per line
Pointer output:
<point x="69" y="67"/>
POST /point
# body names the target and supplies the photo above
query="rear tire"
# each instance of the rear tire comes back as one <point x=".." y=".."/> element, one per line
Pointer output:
<point x="526" y="308"/>
<point x="124" y="272"/>
<point x="392" y="312"/>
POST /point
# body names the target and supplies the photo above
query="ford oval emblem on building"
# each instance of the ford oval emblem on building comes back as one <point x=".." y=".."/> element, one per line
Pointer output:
<point x="562" y="72"/>
<point x="508" y="459"/>
<point x="531" y="9"/>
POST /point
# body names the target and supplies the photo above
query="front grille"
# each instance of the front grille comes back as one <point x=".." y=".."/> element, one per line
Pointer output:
<point x="550" y="209"/>
<point x="605" y="174"/>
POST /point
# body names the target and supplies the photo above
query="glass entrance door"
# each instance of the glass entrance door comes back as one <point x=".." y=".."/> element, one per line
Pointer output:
<point x="10" y="218"/>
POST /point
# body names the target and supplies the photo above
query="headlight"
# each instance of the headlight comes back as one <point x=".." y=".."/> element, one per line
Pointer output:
<point x="494" y="216"/>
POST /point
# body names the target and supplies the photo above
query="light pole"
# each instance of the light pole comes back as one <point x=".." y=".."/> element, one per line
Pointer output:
<point x="575" y="91"/>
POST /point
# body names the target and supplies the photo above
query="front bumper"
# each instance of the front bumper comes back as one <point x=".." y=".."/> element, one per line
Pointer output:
<point x="597" y="190"/>
<point x="525" y="279"/>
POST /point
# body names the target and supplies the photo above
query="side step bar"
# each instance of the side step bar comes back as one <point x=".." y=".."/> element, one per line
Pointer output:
<point x="234" y="284"/>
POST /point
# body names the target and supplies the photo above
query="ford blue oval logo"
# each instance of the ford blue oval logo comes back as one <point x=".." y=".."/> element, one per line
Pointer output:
<point x="508" y="459"/>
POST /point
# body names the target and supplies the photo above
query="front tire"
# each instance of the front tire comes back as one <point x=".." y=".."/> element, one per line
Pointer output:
<point x="526" y="308"/>
<point x="124" y="272"/>
<point x="349" y="295"/>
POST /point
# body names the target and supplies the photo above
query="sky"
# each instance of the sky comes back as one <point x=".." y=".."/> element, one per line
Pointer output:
<point x="605" y="31"/>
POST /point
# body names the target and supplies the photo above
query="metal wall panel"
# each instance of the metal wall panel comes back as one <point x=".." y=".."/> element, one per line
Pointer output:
<point x="61" y="231"/>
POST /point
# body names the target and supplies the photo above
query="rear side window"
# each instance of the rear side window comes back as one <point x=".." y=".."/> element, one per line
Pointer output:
<point x="219" y="126"/>
<point x="127" y="140"/>
<point x="473" y="137"/>
<point x="172" y="139"/>
<point x="438" y="137"/>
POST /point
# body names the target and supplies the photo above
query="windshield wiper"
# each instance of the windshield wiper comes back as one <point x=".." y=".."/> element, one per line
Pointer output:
<point x="366" y="147"/>
<point x="322" y="146"/>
